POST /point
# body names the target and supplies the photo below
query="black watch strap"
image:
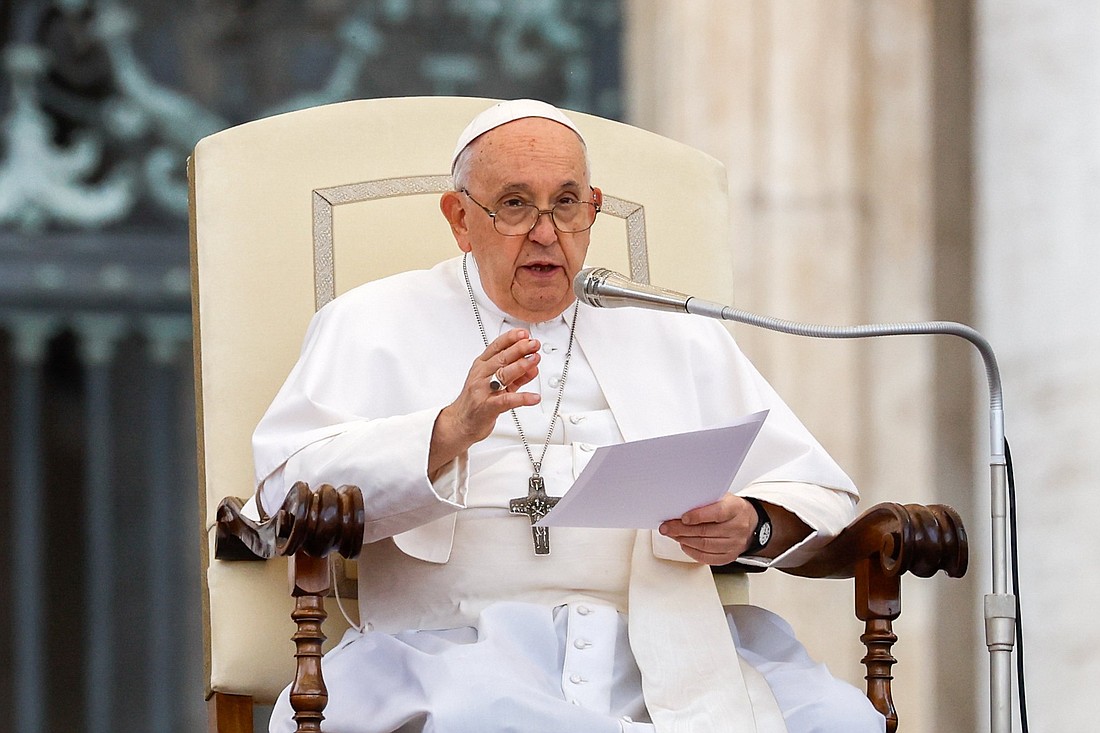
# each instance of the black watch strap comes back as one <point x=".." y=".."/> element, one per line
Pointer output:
<point x="762" y="534"/>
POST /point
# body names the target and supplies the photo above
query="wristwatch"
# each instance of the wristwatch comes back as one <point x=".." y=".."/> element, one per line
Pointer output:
<point x="763" y="532"/>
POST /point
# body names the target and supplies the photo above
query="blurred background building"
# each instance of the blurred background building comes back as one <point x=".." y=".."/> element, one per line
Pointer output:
<point x="888" y="160"/>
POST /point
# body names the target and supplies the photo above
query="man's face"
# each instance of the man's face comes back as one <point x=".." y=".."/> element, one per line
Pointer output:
<point x="531" y="161"/>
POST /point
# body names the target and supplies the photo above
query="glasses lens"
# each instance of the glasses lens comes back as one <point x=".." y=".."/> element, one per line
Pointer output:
<point x="516" y="219"/>
<point x="569" y="218"/>
<point x="574" y="217"/>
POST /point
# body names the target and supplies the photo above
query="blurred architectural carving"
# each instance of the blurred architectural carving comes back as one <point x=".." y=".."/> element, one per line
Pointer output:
<point x="101" y="101"/>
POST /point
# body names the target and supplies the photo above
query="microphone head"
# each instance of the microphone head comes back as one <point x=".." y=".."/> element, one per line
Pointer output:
<point x="588" y="282"/>
<point x="579" y="280"/>
<point x="604" y="288"/>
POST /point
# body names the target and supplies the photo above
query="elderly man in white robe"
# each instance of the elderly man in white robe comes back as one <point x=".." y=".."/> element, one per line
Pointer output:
<point x="446" y="394"/>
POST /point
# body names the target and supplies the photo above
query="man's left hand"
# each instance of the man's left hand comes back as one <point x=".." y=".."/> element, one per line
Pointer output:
<point x="714" y="534"/>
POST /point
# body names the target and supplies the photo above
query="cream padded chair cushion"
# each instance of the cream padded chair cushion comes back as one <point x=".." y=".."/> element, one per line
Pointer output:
<point x="256" y="218"/>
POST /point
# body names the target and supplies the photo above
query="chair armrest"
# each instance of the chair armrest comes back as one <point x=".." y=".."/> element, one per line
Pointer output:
<point x="909" y="538"/>
<point x="308" y="527"/>
<point x="881" y="545"/>
<point x="312" y="522"/>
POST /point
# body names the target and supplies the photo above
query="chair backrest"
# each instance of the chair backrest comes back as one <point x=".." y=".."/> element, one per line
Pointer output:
<point x="288" y="211"/>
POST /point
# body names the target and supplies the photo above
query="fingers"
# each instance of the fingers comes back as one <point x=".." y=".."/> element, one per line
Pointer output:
<point x="722" y="510"/>
<point x="706" y="538"/>
<point x="513" y="357"/>
<point x="712" y="558"/>
<point x="701" y="520"/>
<point x="717" y="550"/>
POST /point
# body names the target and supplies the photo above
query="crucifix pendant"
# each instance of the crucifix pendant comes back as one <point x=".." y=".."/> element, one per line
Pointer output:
<point x="535" y="506"/>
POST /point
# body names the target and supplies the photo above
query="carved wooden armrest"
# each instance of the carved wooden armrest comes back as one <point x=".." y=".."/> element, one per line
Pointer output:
<point x="314" y="522"/>
<point x="881" y="545"/>
<point x="309" y="527"/>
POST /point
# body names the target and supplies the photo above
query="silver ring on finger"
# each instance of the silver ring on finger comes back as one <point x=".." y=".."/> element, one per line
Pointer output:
<point x="496" y="382"/>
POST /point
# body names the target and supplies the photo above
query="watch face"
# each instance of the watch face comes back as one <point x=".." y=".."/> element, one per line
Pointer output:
<point x="765" y="533"/>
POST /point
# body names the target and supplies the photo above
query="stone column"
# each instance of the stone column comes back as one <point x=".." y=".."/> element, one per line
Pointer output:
<point x="826" y="116"/>
<point x="169" y="511"/>
<point x="31" y="334"/>
<point x="99" y="336"/>
<point x="1038" y="235"/>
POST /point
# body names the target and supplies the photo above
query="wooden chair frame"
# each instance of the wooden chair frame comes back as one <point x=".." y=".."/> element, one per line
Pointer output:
<point x="880" y="546"/>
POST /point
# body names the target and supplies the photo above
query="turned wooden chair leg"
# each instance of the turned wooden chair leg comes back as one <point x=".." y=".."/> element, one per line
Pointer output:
<point x="229" y="713"/>
<point x="308" y="695"/>
<point x="878" y="603"/>
<point x="879" y="639"/>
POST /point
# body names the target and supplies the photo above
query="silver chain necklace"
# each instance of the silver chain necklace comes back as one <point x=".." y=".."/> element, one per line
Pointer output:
<point x="536" y="504"/>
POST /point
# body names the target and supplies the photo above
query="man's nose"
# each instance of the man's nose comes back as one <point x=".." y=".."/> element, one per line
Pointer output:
<point x="544" y="231"/>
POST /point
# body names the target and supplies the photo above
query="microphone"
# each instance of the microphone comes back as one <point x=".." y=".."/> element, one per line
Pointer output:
<point x="603" y="288"/>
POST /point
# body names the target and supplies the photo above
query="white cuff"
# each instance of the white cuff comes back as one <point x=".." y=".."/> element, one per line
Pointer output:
<point x="825" y="511"/>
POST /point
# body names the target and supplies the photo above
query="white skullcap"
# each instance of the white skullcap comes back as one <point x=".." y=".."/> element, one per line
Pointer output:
<point x="508" y="111"/>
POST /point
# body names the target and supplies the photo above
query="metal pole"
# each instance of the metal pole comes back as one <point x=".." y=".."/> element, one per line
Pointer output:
<point x="31" y="336"/>
<point x="98" y="338"/>
<point x="164" y="335"/>
<point x="1000" y="610"/>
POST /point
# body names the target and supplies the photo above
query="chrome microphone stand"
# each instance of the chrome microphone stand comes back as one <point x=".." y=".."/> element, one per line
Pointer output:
<point x="1000" y="605"/>
<point x="604" y="288"/>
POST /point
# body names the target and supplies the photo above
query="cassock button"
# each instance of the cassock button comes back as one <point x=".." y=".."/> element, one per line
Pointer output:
<point x="582" y="644"/>
<point x="576" y="679"/>
<point x="576" y="419"/>
<point x="548" y="349"/>
<point x="584" y="610"/>
<point x="587" y="447"/>
<point x="554" y="382"/>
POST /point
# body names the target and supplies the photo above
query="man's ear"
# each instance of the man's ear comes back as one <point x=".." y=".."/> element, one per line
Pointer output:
<point x="450" y="203"/>
<point x="597" y="197"/>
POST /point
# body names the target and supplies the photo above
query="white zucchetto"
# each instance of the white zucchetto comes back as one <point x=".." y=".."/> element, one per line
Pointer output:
<point x="508" y="111"/>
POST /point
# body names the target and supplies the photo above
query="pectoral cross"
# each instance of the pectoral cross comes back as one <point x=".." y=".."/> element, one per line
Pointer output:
<point x="535" y="506"/>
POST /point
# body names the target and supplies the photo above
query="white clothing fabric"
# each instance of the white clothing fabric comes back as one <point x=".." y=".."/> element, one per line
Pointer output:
<point x="378" y="365"/>
<point x="812" y="700"/>
<point x="523" y="658"/>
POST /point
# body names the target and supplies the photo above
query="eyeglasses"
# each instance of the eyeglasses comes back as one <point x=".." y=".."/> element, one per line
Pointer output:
<point x="515" y="218"/>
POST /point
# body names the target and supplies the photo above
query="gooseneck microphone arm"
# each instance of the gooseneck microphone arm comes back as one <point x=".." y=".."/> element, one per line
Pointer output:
<point x="604" y="288"/>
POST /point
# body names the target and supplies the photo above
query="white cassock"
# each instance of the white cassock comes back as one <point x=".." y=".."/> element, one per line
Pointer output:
<point x="464" y="628"/>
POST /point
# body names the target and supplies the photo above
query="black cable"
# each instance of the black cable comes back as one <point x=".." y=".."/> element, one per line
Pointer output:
<point x="1016" y="589"/>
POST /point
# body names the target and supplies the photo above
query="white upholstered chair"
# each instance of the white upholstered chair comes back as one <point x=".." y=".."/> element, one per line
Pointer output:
<point x="289" y="211"/>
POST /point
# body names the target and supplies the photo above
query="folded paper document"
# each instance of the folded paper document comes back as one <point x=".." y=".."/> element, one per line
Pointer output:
<point x="638" y="485"/>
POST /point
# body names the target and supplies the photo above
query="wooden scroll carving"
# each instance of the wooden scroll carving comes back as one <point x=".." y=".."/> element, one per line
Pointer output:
<point x="315" y="522"/>
<point x="879" y="547"/>
<point x="308" y="528"/>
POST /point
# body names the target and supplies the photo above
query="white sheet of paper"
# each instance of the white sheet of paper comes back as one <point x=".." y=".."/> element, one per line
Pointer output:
<point x="640" y="484"/>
